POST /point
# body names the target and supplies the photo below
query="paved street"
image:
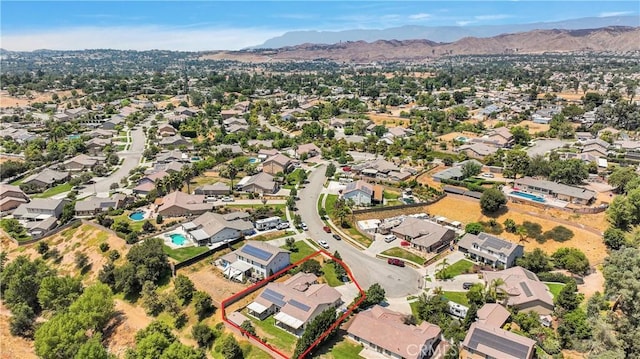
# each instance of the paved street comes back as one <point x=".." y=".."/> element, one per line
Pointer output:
<point x="543" y="146"/>
<point x="131" y="157"/>
<point x="397" y="282"/>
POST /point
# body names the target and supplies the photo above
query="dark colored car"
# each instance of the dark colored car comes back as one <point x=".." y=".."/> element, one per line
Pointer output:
<point x="326" y="229"/>
<point x="337" y="237"/>
<point x="467" y="285"/>
<point x="395" y="262"/>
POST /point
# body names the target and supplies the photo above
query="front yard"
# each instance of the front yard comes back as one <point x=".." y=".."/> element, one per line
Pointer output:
<point x="330" y="275"/>
<point x="404" y="254"/>
<point x="302" y="250"/>
<point x="61" y="188"/>
<point x="457" y="297"/>
<point x="460" y="267"/>
<point x="554" y="288"/>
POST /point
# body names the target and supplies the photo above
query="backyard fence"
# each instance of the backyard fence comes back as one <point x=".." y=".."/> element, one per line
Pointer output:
<point x="586" y="210"/>
<point x="402" y="206"/>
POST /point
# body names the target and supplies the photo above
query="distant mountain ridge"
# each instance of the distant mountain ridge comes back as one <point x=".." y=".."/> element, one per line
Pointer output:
<point x="609" y="39"/>
<point x="439" y="33"/>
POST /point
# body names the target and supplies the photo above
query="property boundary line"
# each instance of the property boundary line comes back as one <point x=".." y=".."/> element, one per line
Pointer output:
<point x="234" y="298"/>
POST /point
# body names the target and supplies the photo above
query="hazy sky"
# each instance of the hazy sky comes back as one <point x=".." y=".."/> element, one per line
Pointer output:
<point x="211" y="25"/>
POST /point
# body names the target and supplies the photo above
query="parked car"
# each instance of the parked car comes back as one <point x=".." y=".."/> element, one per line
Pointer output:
<point x="283" y="225"/>
<point x="467" y="285"/>
<point x="304" y="226"/>
<point x="488" y="175"/>
<point x="323" y="244"/>
<point x="227" y="199"/>
<point x="326" y="229"/>
<point x="396" y="262"/>
<point x="390" y="238"/>
<point x="337" y="237"/>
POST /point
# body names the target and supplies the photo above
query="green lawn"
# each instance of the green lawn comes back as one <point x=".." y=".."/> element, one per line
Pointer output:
<point x="330" y="204"/>
<point x="134" y="225"/>
<point x="182" y="254"/>
<point x="458" y="297"/>
<point x="555" y="288"/>
<point x="346" y="350"/>
<point x="303" y="251"/>
<point x="357" y="236"/>
<point x="18" y="181"/>
<point x="405" y="254"/>
<point x="61" y="188"/>
<point x="391" y="195"/>
<point x="281" y="206"/>
<point x="319" y="204"/>
<point x="414" y="311"/>
<point x="275" y="336"/>
<point x="330" y="275"/>
<point x="459" y="267"/>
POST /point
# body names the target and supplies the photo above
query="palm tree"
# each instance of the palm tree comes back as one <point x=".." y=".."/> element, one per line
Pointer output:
<point x="188" y="173"/>
<point x="494" y="291"/>
<point x="443" y="266"/>
<point x="231" y="172"/>
<point x="522" y="232"/>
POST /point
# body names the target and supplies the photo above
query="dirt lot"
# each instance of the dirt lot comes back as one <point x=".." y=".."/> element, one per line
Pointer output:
<point x="453" y="135"/>
<point x="13" y="347"/>
<point x="391" y="121"/>
<point x="11" y="101"/>
<point x="209" y="279"/>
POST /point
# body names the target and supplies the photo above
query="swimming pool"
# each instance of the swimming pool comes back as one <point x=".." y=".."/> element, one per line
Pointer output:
<point x="73" y="137"/>
<point x="177" y="238"/>
<point x="137" y="216"/>
<point x="462" y="139"/>
<point x="528" y="196"/>
<point x="254" y="160"/>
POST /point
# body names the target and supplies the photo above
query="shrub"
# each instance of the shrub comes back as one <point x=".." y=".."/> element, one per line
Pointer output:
<point x="474" y="228"/>
<point x="104" y="246"/>
<point x="559" y="234"/>
<point x="554" y="277"/>
<point x="534" y="230"/>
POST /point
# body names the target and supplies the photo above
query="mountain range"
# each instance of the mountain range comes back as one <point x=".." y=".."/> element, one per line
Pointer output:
<point x="439" y="33"/>
<point x="609" y="39"/>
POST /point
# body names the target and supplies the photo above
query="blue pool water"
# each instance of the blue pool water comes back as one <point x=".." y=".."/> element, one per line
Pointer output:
<point x="73" y="137"/>
<point x="137" y="216"/>
<point x="177" y="238"/>
<point x="462" y="139"/>
<point x="254" y="160"/>
<point x="528" y="196"/>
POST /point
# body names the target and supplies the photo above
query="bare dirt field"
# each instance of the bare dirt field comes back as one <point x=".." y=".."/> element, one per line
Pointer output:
<point x="13" y="347"/>
<point x="209" y="279"/>
<point x="12" y="101"/>
<point x="451" y="136"/>
<point x="534" y="127"/>
<point x="121" y="334"/>
<point x="388" y="120"/>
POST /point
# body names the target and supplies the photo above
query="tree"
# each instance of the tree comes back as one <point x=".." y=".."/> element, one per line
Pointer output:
<point x="475" y="295"/>
<point x="230" y="348"/>
<point x="94" y="306"/>
<point x="311" y="266"/>
<point x="82" y="260"/>
<point x="177" y="350"/>
<point x="42" y="248"/>
<point x="470" y="318"/>
<point x="148" y="227"/>
<point x="184" y="288"/>
<point x="57" y="293"/>
<point x="573" y="326"/>
<point x="68" y="212"/>
<point x="248" y="327"/>
<point x="93" y="349"/>
<point x="571" y="259"/>
<point x="374" y="295"/>
<point x="203" y="334"/>
<point x="471" y="169"/>
<point x="149" y="260"/>
<point x="492" y="200"/>
<point x="159" y="219"/>
<point x="314" y="329"/>
<point x="22" y="321"/>
<point x="521" y="135"/>
<point x="202" y="304"/>
<point x="536" y="261"/>
<point x="538" y="166"/>
<point x="620" y="177"/>
<point x="571" y="172"/>
<point x="60" y="337"/>
<point x="474" y="228"/>
<point x="330" y="171"/>
<point x="515" y="163"/>
<point x="150" y="299"/>
<point x="568" y="298"/>
<point x="510" y="225"/>
<point x="614" y="238"/>
<point x="621" y="272"/>
<point x="20" y="281"/>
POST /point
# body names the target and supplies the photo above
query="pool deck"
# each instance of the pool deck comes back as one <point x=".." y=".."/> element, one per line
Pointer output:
<point x="167" y="239"/>
<point x="547" y="200"/>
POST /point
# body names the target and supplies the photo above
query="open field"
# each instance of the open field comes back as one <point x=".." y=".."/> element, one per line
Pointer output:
<point x="209" y="279"/>
<point x="11" y="101"/>
<point x="388" y="120"/>
<point x="534" y="127"/>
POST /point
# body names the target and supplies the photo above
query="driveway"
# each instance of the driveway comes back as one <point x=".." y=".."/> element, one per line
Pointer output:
<point x="131" y="159"/>
<point x="543" y="146"/>
<point x="396" y="281"/>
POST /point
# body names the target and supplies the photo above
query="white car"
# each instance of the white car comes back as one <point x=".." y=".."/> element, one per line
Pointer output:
<point x="323" y="244"/>
<point x="283" y="225"/>
<point x="227" y="199"/>
<point x="390" y="238"/>
<point x="488" y="175"/>
<point x="304" y="226"/>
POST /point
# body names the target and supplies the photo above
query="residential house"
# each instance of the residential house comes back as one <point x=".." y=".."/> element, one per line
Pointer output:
<point x="423" y="234"/>
<point x="484" y="341"/>
<point x="234" y="150"/>
<point x="454" y="172"/>
<point x="294" y="302"/>
<point x="584" y="136"/>
<point x="40" y="209"/>
<point x="387" y="333"/>
<point x="92" y="206"/>
<point x="229" y="113"/>
<point x="265" y="153"/>
<point x="379" y="168"/>
<point x="147" y="183"/>
<point x="81" y="162"/>
<point x="394" y="133"/>
<point x="100" y="133"/>
<point x="170" y="167"/>
<point x="74" y="113"/>
<point x="523" y="290"/>
<point x="572" y="194"/>
<point x="216" y="189"/>
<point x="276" y="164"/>
<point x="360" y="192"/>
<point x="255" y="259"/>
<point x="491" y="250"/>
<point x="310" y="149"/>
<point x="210" y="228"/>
<point x="235" y="121"/>
<point x="174" y="141"/>
<point x="167" y="130"/>
<point x="113" y="122"/>
<point x="45" y="179"/>
<point x="38" y="229"/>
<point x="477" y="150"/>
<point x="260" y="183"/>
<point x="96" y="145"/>
<point x="185" y="111"/>
<point x="11" y="197"/>
<point x="493" y="314"/>
<point x="237" y="128"/>
<point x="172" y="156"/>
<point x="179" y="204"/>
<point x="501" y="136"/>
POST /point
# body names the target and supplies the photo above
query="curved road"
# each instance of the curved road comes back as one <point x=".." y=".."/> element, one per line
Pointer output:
<point x="396" y="281"/>
<point x="131" y="157"/>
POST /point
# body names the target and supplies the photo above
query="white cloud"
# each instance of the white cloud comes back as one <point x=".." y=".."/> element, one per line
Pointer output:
<point x="614" y="13"/>
<point x="420" y="16"/>
<point x="465" y="22"/>
<point x="138" y="38"/>
<point x="492" y="17"/>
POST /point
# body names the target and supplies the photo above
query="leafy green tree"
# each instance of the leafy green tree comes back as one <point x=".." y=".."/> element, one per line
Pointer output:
<point x="474" y="228"/>
<point x="20" y="281"/>
<point x="60" y="337"/>
<point x="82" y="260"/>
<point x="311" y="266"/>
<point x="22" y="320"/>
<point x="184" y="288"/>
<point x="538" y="166"/>
<point x="571" y="172"/>
<point x="248" y="327"/>
<point x="516" y="162"/>
<point x="230" y="348"/>
<point x="330" y="171"/>
<point x="42" y="248"/>
<point x="568" y="299"/>
<point x="470" y="318"/>
<point x="475" y="295"/>
<point x="93" y="349"/>
<point x="57" y="293"/>
<point x="510" y="225"/>
<point x="203" y="304"/>
<point x="559" y="234"/>
<point x="571" y="259"/>
<point x="614" y="238"/>
<point x="203" y="334"/>
<point x="178" y="350"/>
<point x="471" y="169"/>
<point x="492" y="200"/>
<point x="314" y="329"/>
<point x="536" y="261"/>
<point x="94" y="307"/>
<point x="621" y="176"/>
<point x="149" y="260"/>
<point x="573" y="326"/>
<point x="374" y="295"/>
<point x="521" y="135"/>
<point x="150" y="299"/>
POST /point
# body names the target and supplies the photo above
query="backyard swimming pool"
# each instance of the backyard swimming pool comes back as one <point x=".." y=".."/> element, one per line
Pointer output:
<point x="462" y="139"/>
<point x="73" y="137"/>
<point x="254" y="160"/>
<point x="529" y="196"/>
<point x="177" y="239"/>
<point x="137" y="216"/>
